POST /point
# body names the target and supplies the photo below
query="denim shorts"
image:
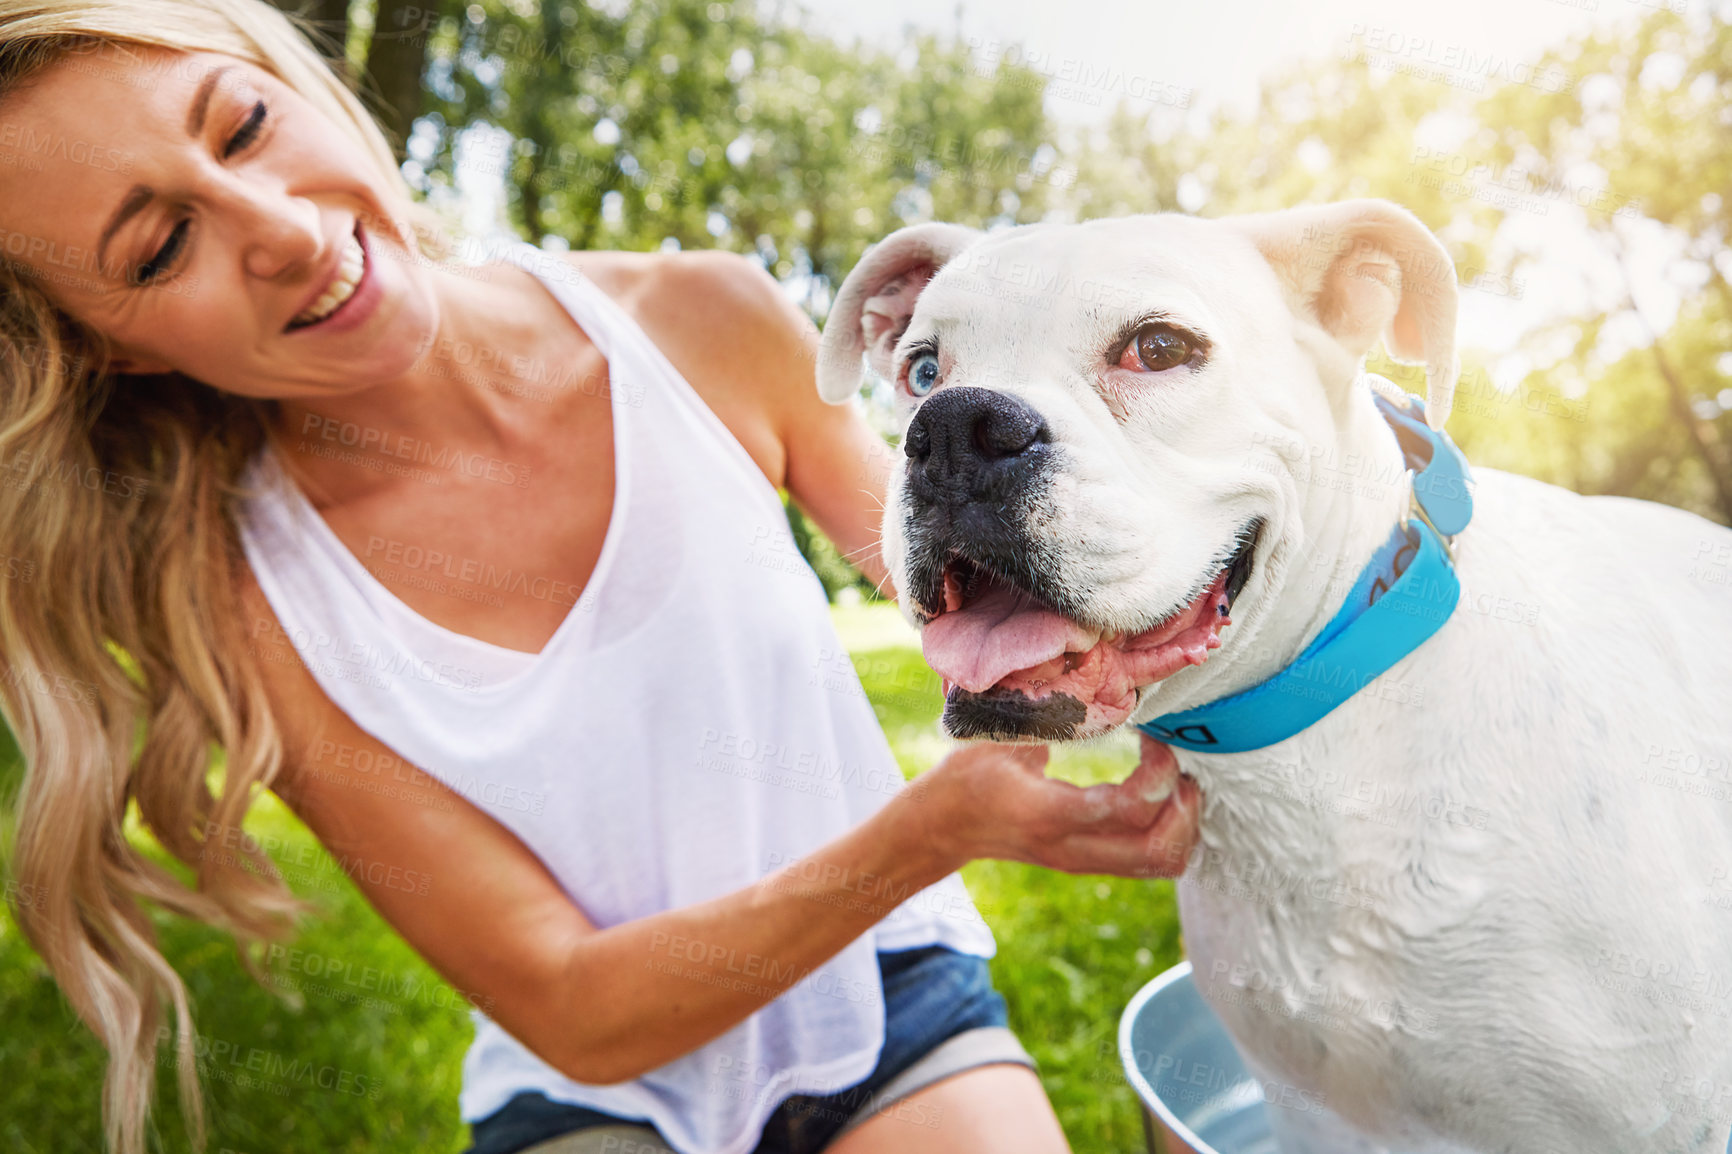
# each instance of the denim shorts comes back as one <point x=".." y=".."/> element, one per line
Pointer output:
<point x="931" y="996"/>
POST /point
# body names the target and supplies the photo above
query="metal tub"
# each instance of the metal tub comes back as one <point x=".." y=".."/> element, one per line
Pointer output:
<point x="1167" y="1037"/>
<point x="1197" y="1095"/>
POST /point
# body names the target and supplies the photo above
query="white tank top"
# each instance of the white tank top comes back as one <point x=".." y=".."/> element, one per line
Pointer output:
<point x="692" y="725"/>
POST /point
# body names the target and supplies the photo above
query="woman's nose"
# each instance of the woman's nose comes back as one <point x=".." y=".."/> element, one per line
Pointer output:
<point x="278" y="230"/>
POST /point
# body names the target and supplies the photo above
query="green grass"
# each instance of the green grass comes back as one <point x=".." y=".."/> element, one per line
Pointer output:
<point x="366" y="1054"/>
<point x="369" y="1059"/>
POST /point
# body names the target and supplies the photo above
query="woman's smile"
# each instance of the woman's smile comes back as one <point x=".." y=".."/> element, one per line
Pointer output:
<point x="350" y="292"/>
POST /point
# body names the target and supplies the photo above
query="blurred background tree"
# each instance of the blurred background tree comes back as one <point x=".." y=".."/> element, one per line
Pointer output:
<point x="379" y="44"/>
<point x="692" y="124"/>
<point x="1646" y="125"/>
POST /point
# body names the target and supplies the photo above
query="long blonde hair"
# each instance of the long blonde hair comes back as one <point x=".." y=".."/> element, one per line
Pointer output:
<point x="122" y="663"/>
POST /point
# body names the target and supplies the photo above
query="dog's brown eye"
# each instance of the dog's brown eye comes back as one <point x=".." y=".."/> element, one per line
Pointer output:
<point x="1156" y="348"/>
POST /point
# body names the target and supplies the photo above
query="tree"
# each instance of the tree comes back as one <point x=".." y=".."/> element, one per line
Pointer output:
<point x="330" y="18"/>
<point x="396" y="60"/>
<point x="705" y="125"/>
<point x="1639" y="139"/>
<point x="383" y="43"/>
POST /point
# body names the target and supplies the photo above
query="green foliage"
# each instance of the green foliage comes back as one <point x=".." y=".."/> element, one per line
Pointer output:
<point x="825" y="559"/>
<point x="1638" y="142"/>
<point x="11" y="768"/>
<point x="1322" y="132"/>
<point x="705" y="125"/>
<point x="355" y="1046"/>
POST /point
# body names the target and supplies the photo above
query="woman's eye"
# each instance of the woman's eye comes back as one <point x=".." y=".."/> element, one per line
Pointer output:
<point x="1156" y="348"/>
<point x="150" y="269"/>
<point x="922" y="374"/>
<point x="246" y="133"/>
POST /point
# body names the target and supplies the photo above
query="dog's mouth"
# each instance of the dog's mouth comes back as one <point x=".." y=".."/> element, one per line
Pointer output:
<point x="1016" y="667"/>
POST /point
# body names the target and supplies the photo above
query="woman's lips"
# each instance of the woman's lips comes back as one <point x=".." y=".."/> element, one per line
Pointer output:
<point x="360" y="304"/>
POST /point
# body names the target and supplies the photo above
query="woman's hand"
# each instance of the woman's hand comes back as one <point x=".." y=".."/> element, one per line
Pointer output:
<point x="988" y="800"/>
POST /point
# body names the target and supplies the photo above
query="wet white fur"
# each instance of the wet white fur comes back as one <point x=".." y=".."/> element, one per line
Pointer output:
<point x="1472" y="972"/>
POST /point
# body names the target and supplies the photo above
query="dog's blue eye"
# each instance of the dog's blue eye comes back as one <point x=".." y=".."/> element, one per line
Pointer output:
<point x="922" y="374"/>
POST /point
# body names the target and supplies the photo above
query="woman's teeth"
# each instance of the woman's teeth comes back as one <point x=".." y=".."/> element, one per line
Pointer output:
<point x="349" y="269"/>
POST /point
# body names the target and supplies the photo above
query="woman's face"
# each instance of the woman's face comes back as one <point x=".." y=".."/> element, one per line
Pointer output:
<point x="197" y="212"/>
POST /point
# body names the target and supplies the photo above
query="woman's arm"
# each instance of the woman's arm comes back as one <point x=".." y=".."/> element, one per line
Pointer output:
<point x="607" y="1005"/>
<point x="837" y="465"/>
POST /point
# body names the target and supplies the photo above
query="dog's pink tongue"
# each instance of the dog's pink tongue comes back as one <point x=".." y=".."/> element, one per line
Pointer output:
<point x="997" y="634"/>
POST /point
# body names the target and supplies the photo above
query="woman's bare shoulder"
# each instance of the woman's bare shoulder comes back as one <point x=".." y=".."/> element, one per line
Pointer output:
<point x="730" y="330"/>
<point x="707" y="284"/>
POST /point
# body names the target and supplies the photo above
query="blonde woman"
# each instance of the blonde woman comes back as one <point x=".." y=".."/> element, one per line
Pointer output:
<point x="481" y="568"/>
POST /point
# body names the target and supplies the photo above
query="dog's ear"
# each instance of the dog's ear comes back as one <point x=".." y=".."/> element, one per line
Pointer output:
<point x="872" y="310"/>
<point x="1368" y="269"/>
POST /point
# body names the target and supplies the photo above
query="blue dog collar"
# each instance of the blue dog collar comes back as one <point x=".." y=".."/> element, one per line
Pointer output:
<point x="1403" y="595"/>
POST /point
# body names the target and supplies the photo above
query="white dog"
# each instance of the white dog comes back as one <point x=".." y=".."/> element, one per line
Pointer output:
<point x="1483" y="904"/>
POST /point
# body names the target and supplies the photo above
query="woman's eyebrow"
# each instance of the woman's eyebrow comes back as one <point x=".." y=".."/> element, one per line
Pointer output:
<point x="201" y="99"/>
<point x="137" y="197"/>
<point x="140" y="195"/>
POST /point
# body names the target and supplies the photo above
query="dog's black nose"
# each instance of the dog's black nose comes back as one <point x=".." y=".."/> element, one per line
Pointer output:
<point x="966" y="443"/>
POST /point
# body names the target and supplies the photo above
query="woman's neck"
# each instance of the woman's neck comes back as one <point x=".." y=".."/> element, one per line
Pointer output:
<point x="460" y="391"/>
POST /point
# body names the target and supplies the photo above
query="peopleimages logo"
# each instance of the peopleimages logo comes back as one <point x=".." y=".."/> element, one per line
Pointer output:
<point x="361" y="658"/>
<point x="366" y="438"/>
<point x="23" y="139"/>
<point x="269" y="1070"/>
<point x="728" y="967"/>
<point x="728" y="752"/>
<point x="1460" y="65"/>
<point x="1173" y="1076"/>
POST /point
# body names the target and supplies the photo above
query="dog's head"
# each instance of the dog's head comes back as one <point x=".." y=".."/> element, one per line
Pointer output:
<point x="1098" y="421"/>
